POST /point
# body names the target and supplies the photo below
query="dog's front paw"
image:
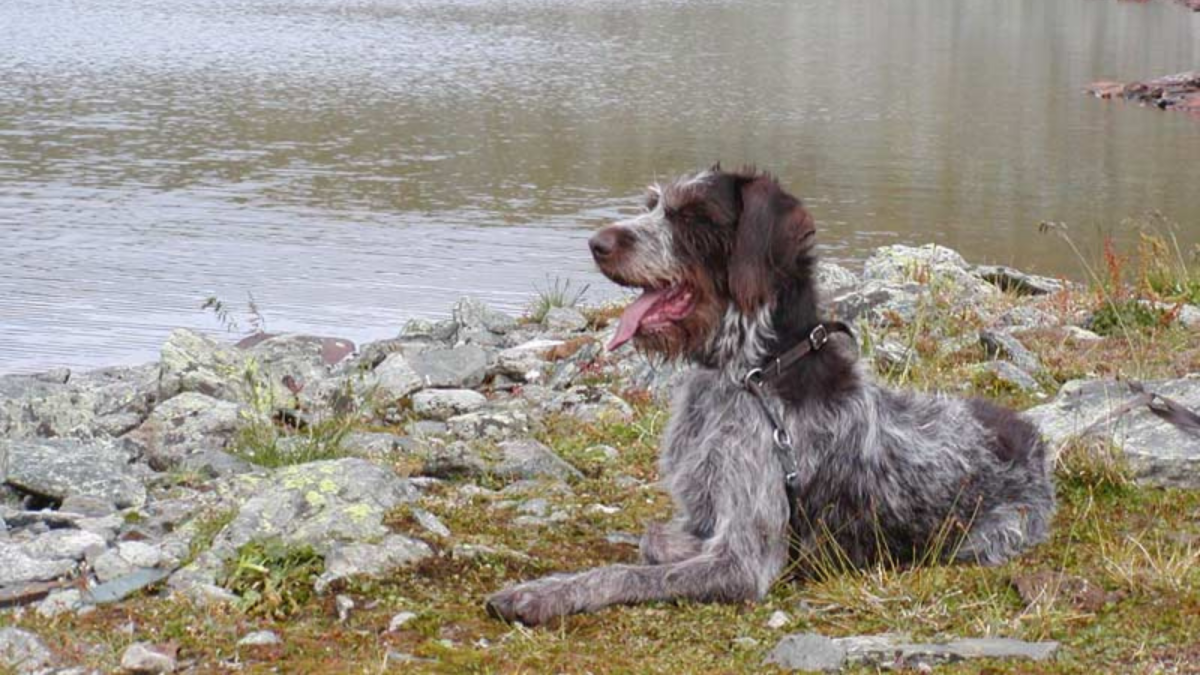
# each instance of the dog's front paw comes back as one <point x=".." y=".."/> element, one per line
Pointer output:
<point x="531" y="603"/>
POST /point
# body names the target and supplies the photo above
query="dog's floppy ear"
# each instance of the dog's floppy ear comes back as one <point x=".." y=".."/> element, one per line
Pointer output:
<point x="773" y="232"/>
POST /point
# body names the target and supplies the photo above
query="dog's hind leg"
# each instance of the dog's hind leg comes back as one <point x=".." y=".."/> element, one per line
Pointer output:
<point x="1004" y="532"/>
<point x="668" y="543"/>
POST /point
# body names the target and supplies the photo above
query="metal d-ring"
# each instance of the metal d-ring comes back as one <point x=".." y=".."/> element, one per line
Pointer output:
<point x="783" y="440"/>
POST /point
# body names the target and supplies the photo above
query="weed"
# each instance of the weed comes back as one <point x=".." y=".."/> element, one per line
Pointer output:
<point x="225" y="315"/>
<point x="205" y="531"/>
<point x="558" y="293"/>
<point x="271" y="578"/>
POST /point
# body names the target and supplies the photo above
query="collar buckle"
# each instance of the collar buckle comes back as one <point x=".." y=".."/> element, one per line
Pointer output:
<point x="818" y="337"/>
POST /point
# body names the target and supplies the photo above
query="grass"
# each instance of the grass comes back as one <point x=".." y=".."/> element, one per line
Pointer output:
<point x="558" y="293"/>
<point x="272" y="579"/>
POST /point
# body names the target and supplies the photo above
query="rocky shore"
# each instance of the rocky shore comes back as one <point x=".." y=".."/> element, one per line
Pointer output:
<point x="1173" y="92"/>
<point x="168" y="485"/>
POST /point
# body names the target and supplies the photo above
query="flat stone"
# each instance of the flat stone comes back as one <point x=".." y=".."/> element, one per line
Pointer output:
<point x="527" y="362"/>
<point x="63" y="545"/>
<point x="59" y="468"/>
<point x="359" y="559"/>
<point x="185" y="425"/>
<point x="778" y="620"/>
<point x="60" y="602"/>
<point x="879" y="302"/>
<point x="1158" y="452"/>
<point x="807" y="651"/>
<point x="378" y="445"/>
<point x="23" y="651"/>
<point x="1007" y="373"/>
<point x="87" y="505"/>
<point x="493" y="425"/>
<point x="879" y="650"/>
<point x="530" y="459"/>
<point x="399" y="620"/>
<point x="260" y="638"/>
<point x="145" y="659"/>
<point x="442" y="404"/>
<point x="1002" y="345"/>
<point x="456" y="368"/>
<point x="110" y="565"/>
<point x="140" y="554"/>
<point x="292" y="363"/>
<point x="452" y="460"/>
<point x="479" y="323"/>
<point x="565" y="320"/>
<point x="1015" y="281"/>
<point x="121" y="587"/>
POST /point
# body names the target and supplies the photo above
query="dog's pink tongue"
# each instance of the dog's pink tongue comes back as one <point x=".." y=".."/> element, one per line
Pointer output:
<point x="631" y="318"/>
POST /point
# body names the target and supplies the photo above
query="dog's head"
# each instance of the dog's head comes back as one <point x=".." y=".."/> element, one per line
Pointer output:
<point x="709" y="253"/>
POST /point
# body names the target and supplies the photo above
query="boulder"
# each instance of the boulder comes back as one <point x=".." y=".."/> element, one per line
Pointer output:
<point x="364" y="559"/>
<point x="185" y="425"/>
<point x="23" y="652"/>
<point x="527" y="362"/>
<point x="492" y="425"/>
<point x="565" y="320"/>
<point x="1002" y="345"/>
<point x="100" y="403"/>
<point x="58" y="468"/>
<point x="926" y="265"/>
<point x="1006" y="373"/>
<point x="456" y="368"/>
<point x="880" y="302"/>
<point x="1015" y="281"/>
<point x="442" y="404"/>
<point x="834" y="280"/>
<point x="192" y="362"/>
<point x="478" y="323"/>
<point x="530" y="459"/>
<point x="395" y="378"/>
<point x="17" y="566"/>
<point x="1159" y="452"/>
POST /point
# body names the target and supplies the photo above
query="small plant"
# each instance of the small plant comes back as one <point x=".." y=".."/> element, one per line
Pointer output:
<point x="559" y="293"/>
<point x="271" y="578"/>
<point x="1110" y="317"/>
<point x="1095" y="466"/>
<point x="225" y="315"/>
<point x="207" y="527"/>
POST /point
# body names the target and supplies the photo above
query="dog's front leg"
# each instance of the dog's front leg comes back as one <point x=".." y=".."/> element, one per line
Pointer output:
<point x="668" y="543"/>
<point x="736" y="567"/>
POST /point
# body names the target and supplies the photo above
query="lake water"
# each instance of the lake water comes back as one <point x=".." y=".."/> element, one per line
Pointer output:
<point x="357" y="163"/>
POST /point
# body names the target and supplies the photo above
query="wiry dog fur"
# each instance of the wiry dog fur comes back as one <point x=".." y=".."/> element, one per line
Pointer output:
<point x="883" y="472"/>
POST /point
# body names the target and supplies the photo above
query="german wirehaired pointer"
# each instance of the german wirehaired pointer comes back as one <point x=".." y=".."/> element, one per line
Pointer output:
<point x="779" y="442"/>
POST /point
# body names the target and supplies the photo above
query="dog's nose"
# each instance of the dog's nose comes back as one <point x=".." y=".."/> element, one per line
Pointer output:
<point x="604" y="243"/>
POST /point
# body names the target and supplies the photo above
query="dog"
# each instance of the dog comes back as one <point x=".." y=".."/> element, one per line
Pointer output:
<point x="778" y="441"/>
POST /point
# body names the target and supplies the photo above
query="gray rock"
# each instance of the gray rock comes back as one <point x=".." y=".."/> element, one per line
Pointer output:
<point x="399" y="620"/>
<point x="260" y="638"/>
<point x="473" y="317"/>
<point x="457" y="368"/>
<point x="60" y="602"/>
<point x="395" y="378"/>
<point x="358" y="559"/>
<point x="301" y="360"/>
<point x="1077" y="334"/>
<point x="890" y="353"/>
<point x="436" y="331"/>
<point x="122" y="587"/>
<point x="1003" y="345"/>
<point x="86" y="505"/>
<point x="878" y="302"/>
<point x="140" y="554"/>
<point x="807" y="651"/>
<point x="377" y="445"/>
<point x="99" y="403"/>
<point x="60" y="468"/>
<point x="1026" y="317"/>
<point x="143" y="659"/>
<point x="1015" y="281"/>
<point x="427" y="428"/>
<point x="778" y="620"/>
<point x="196" y="363"/>
<point x="527" y="362"/>
<point x="529" y="459"/>
<point x="590" y="404"/>
<point x="489" y="424"/>
<point x="1159" y="453"/>
<point x="110" y="565"/>
<point x="442" y="404"/>
<point x="430" y="523"/>
<point x="834" y="280"/>
<point x="185" y="425"/>
<point x="1007" y="373"/>
<point x="215" y="464"/>
<point x="928" y="264"/>
<point x="452" y="460"/>
<point x="898" y="650"/>
<point x="23" y="651"/>
<point x="565" y="320"/>
<point x="63" y="545"/>
<point x="344" y="605"/>
<point x="321" y="504"/>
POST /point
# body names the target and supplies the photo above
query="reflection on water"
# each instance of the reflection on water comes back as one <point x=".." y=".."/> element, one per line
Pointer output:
<point x="355" y="163"/>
